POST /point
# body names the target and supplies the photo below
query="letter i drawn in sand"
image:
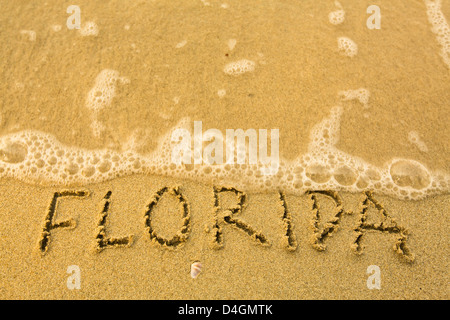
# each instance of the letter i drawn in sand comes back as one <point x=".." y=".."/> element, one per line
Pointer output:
<point x="289" y="240"/>
<point x="329" y="227"/>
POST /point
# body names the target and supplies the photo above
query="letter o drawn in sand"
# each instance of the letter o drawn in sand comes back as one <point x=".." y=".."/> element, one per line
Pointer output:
<point x="181" y="236"/>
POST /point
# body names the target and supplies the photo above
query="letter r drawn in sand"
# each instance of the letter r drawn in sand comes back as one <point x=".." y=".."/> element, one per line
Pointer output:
<point x="228" y="218"/>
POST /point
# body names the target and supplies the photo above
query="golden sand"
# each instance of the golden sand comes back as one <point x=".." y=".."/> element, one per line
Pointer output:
<point x="242" y="268"/>
<point x="171" y="57"/>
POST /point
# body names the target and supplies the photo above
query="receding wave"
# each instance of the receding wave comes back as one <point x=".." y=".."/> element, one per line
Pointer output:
<point x="38" y="157"/>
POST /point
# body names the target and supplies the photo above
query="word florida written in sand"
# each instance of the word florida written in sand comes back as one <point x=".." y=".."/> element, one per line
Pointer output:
<point x="321" y="228"/>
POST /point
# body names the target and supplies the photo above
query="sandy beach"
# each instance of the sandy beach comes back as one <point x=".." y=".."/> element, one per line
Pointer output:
<point x="357" y="176"/>
<point x="242" y="268"/>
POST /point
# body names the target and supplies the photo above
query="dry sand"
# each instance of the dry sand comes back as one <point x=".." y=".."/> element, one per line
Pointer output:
<point x="172" y="58"/>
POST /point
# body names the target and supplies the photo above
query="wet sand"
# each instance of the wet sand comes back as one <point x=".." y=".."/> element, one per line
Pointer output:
<point x="241" y="269"/>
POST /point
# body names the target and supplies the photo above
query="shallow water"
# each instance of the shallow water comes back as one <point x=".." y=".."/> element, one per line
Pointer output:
<point x="102" y="100"/>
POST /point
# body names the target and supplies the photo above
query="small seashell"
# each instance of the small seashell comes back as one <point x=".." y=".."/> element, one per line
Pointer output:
<point x="196" y="268"/>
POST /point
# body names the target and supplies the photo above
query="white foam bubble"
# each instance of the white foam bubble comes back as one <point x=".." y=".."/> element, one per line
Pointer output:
<point x="56" y="27"/>
<point x="347" y="46"/>
<point x="97" y="127"/>
<point x="221" y="93"/>
<point x="239" y="67"/>
<point x="440" y="27"/>
<point x="409" y="173"/>
<point x="361" y="94"/>
<point x="101" y="95"/>
<point x="260" y="58"/>
<point x="104" y="89"/>
<point x="414" y="138"/>
<point x="231" y="44"/>
<point x="181" y="44"/>
<point x="30" y="34"/>
<point x="89" y="28"/>
<point x="338" y="16"/>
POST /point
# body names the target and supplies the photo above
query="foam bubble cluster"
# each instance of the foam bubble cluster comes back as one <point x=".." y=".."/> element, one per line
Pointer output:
<point x="239" y="67"/>
<point x="347" y="46"/>
<point x="90" y="28"/>
<point x="414" y="138"/>
<point x="37" y="156"/>
<point x="338" y="16"/>
<point x="221" y="93"/>
<point x="440" y="27"/>
<point x="104" y="89"/>
<point x="102" y="94"/>
<point x="30" y="33"/>
<point x="33" y="156"/>
<point x="361" y="94"/>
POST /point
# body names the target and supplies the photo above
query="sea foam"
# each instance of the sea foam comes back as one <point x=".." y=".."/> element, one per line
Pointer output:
<point x="338" y="16"/>
<point x="440" y="27"/>
<point x="38" y="157"/>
